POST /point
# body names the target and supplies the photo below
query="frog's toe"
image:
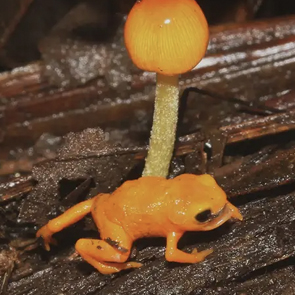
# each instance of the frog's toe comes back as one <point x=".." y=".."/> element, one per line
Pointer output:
<point x="46" y="235"/>
<point x="47" y="243"/>
<point x="201" y="255"/>
<point x="133" y="264"/>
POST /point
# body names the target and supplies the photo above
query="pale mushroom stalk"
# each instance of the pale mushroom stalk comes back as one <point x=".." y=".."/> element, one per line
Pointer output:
<point x="168" y="37"/>
<point x="164" y="126"/>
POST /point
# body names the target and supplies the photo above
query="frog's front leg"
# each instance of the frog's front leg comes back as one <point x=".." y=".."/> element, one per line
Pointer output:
<point x="173" y="254"/>
<point x="69" y="217"/>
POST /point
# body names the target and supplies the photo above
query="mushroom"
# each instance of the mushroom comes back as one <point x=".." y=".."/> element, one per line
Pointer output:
<point x="169" y="37"/>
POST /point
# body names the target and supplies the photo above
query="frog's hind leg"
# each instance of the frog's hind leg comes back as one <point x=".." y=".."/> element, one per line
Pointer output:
<point x="105" y="258"/>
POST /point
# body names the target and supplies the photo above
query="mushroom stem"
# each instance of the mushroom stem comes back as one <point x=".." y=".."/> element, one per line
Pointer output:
<point x="164" y="126"/>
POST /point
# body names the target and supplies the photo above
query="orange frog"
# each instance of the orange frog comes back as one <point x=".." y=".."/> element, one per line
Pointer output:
<point x="146" y="207"/>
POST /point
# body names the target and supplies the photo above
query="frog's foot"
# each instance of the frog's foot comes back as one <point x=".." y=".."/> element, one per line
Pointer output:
<point x="200" y="256"/>
<point x="46" y="234"/>
<point x="173" y="254"/>
<point x="177" y="255"/>
<point x="112" y="267"/>
<point x="104" y="257"/>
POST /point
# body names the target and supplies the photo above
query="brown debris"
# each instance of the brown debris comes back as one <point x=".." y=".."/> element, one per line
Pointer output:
<point x="94" y="35"/>
<point x="15" y="188"/>
<point x="16" y="9"/>
<point x="279" y="281"/>
<point x="259" y="172"/>
<point x="105" y="166"/>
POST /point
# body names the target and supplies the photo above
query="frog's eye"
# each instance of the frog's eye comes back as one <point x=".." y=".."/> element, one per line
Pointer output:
<point x="204" y="216"/>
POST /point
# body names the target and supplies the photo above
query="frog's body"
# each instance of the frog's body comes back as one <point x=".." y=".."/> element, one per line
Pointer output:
<point x="146" y="207"/>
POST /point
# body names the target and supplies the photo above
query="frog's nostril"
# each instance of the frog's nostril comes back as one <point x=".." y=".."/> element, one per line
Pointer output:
<point x="204" y="216"/>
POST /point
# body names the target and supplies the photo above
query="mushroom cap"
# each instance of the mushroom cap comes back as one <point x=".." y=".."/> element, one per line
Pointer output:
<point x="169" y="37"/>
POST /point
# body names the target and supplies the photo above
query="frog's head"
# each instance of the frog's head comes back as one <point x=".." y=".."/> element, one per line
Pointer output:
<point x="199" y="203"/>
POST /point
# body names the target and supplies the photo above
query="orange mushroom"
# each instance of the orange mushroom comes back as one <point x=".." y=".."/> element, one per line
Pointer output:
<point x="169" y="37"/>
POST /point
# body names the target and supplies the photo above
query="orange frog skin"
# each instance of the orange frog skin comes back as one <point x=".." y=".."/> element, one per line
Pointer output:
<point x="146" y="207"/>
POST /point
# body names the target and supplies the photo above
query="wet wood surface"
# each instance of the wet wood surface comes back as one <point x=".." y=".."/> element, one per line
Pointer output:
<point x="30" y="106"/>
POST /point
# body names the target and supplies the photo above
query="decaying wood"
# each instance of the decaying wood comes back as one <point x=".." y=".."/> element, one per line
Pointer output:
<point x="30" y="106"/>
<point x="16" y="9"/>
<point x="279" y="281"/>
<point x="263" y="238"/>
<point x="15" y="188"/>
<point x="255" y="128"/>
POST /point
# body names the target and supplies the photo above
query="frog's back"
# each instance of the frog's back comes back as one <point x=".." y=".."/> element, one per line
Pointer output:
<point x="135" y="199"/>
<point x="140" y="193"/>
